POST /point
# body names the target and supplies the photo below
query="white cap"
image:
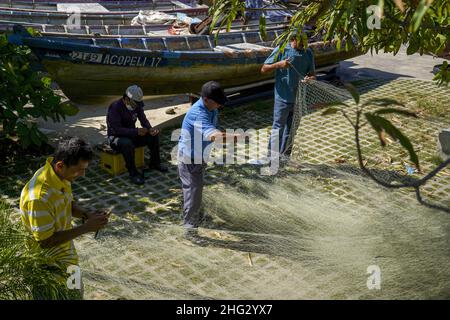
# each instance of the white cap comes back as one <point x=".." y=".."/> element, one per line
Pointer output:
<point x="135" y="93"/>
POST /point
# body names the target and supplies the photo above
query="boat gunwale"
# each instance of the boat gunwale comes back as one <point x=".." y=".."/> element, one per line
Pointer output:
<point x="214" y="54"/>
<point x="61" y="45"/>
<point x="123" y="14"/>
<point x="109" y="36"/>
<point x="110" y="13"/>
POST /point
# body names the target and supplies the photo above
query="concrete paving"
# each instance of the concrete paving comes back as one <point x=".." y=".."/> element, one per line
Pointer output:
<point x="388" y="66"/>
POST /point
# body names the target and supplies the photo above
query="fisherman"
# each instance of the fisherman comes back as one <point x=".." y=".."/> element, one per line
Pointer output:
<point x="124" y="137"/>
<point x="293" y="64"/>
<point x="198" y="131"/>
<point x="47" y="205"/>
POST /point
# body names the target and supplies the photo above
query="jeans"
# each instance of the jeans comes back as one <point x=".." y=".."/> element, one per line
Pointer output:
<point x="126" y="147"/>
<point x="283" y="114"/>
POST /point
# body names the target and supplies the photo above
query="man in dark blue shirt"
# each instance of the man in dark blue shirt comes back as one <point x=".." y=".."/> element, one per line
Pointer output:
<point x="124" y="137"/>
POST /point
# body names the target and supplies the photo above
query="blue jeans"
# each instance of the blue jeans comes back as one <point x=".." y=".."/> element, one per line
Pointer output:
<point x="283" y="114"/>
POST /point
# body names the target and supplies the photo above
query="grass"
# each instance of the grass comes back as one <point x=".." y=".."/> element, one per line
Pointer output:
<point x="25" y="270"/>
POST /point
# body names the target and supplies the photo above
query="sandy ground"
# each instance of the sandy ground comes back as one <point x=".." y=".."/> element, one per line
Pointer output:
<point x="90" y="122"/>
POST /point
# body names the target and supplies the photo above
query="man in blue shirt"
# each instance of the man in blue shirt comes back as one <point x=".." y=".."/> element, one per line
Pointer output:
<point x="291" y="66"/>
<point x="199" y="130"/>
<point x="124" y="137"/>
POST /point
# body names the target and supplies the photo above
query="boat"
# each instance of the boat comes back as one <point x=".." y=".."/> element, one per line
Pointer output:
<point x="118" y="30"/>
<point x="98" y="70"/>
<point x="103" y="5"/>
<point x="85" y="18"/>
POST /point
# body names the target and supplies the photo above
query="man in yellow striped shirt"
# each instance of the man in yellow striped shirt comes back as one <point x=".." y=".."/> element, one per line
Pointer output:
<point x="47" y="206"/>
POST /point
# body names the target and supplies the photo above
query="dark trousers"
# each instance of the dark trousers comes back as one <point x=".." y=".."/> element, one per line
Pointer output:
<point x="126" y="147"/>
<point x="191" y="176"/>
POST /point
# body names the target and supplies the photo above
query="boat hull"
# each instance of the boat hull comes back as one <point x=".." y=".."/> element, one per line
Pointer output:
<point x="92" y="74"/>
<point x="87" y="85"/>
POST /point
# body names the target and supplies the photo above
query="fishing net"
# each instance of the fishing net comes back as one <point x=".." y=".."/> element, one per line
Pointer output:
<point x="309" y="232"/>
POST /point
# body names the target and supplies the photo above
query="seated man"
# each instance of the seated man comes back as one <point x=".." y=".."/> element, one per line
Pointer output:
<point x="124" y="137"/>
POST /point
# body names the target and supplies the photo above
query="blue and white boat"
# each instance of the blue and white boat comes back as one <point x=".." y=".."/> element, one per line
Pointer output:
<point x="92" y="70"/>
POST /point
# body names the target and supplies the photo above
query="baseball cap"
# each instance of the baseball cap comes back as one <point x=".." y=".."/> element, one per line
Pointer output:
<point x="135" y="93"/>
<point x="212" y="90"/>
<point x="294" y="34"/>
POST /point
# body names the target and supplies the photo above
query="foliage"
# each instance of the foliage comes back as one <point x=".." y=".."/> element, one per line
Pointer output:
<point x="25" y="95"/>
<point x="24" y="271"/>
<point x="376" y="119"/>
<point x="421" y="25"/>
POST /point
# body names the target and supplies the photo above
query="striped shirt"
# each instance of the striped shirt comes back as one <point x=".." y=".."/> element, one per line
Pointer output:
<point x="46" y="208"/>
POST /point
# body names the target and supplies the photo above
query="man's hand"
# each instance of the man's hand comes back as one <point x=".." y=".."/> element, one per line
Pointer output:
<point x="142" y="131"/>
<point x="96" y="222"/>
<point x="283" y="64"/>
<point x="308" y="78"/>
<point x="154" y="131"/>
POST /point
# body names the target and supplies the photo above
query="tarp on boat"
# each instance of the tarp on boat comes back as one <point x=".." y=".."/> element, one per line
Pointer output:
<point x="157" y="17"/>
<point x="152" y="17"/>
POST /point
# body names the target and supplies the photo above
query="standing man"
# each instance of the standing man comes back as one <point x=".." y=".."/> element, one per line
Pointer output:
<point x="47" y="206"/>
<point x="291" y="66"/>
<point x="198" y="131"/>
<point x="124" y="137"/>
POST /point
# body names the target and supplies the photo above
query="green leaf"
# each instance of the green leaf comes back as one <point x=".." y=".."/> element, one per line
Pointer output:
<point x="396" y="111"/>
<point x="9" y="114"/>
<point x="262" y="27"/>
<point x="381" y="124"/>
<point x="413" y="46"/>
<point x="46" y="81"/>
<point x="68" y="108"/>
<point x="330" y="111"/>
<point x="418" y="15"/>
<point x="353" y="91"/>
<point x="383" y="102"/>
<point x="34" y="137"/>
<point x="22" y="129"/>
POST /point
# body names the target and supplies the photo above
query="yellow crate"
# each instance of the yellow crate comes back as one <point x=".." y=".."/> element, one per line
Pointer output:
<point x="114" y="163"/>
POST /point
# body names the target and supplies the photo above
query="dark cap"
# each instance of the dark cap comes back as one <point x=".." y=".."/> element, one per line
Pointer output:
<point x="212" y="90"/>
<point x="294" y="34"/>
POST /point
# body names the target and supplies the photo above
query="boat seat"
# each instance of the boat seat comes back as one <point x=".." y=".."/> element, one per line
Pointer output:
<point x="133" y="43"/>
<point x="127" y="30"/>
<point x="108" y="42"/>
<point x="81" y="30"/>
<point x="243" y="49"/>
<point x="230" y="38"/>
<point x="270" y="36"/>
<point x="237" y="47"/>
<point x="155" y="44"/>
<point x="253" y="37"/>
<point x="177" y="44"/>
<point x="53" y="28"/>
<point x="98" y="30"/>
<point x="199" y="43"/>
